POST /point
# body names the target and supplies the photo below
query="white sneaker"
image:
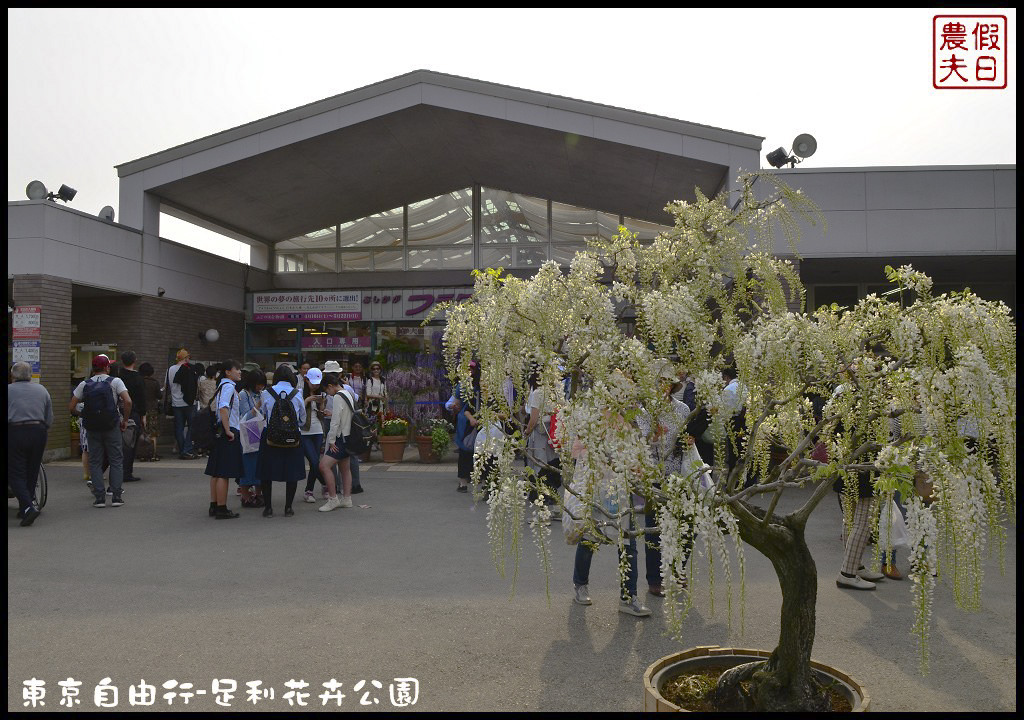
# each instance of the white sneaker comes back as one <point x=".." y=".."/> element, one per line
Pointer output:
<point x="308" y="496"/>
<point x="854" y="583"/>
<point x="582" y="596"/>
<point x="333" y="503"/>
<point x="633" y="606"/>
<point x="869" y="575"/>
<point x="346" y="502"/>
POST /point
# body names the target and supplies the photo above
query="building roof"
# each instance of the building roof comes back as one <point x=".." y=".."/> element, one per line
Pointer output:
<point x="425" y="133"/>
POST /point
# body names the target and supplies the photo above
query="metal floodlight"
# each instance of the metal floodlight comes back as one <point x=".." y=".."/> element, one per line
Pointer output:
<point x="779" y="157"/>
<point x="67" y="194"/>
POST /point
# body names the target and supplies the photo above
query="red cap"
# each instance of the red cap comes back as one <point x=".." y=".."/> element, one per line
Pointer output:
<point x="100" y="361"/>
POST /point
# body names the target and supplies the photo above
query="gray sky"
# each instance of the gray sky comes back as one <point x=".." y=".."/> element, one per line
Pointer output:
<point x="89" y="89"/>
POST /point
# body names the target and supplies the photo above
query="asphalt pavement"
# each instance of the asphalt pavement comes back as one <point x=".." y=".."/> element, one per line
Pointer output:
<point x="403" y="587"/>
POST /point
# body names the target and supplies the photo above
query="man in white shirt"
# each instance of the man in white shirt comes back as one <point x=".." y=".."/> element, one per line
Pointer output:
<point x="181" y="406"/>
<point x="103" y="422"/>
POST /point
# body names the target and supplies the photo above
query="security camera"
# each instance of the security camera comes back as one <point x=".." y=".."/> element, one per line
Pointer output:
<point x="160" y="292"/>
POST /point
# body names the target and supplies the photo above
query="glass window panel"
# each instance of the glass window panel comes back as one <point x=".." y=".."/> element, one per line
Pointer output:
<point x="424" y="259"/>
<point x="455" y="258"/>
<point x="291" y="262"/>
<point x="381" y="230"/>
<point x="321" y="262"/>
<point x="444" y="220"/>
<point x="388" y="260"/>
<point x="646" y="231"/>
<point x="563" y="254"/>
<point x="575" y="224"/>
<point x="531" y="256"/>
<point x="842" y="295"/>
<point x="355" y="260"/>
<point x="512" y="218"/>
<point x="310" y="241"/>
<point x="496" y="257"/>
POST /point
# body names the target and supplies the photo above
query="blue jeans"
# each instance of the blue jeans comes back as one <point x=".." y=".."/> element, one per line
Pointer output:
<point x="311" y="445"/>
<point x="105" y="442"/>
<point x="183" y="418"/>
<point x="581" y="568"/>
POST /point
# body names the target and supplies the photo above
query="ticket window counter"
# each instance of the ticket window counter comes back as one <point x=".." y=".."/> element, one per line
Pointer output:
<point x="81" y="360"/>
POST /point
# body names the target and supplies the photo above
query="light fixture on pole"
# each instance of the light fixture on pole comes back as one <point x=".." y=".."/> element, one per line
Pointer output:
<point x="804" y="145"/>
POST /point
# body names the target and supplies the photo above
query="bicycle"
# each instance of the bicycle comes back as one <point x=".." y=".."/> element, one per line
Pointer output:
<point x="41" y="489"/>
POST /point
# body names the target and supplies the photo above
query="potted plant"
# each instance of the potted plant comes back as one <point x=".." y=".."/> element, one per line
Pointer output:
<point x="704" y="300"/>
<point x="394" y="433"/>
<point x="433" y="439"/>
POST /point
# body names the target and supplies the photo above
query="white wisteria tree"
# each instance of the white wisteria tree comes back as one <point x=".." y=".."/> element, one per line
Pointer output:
<point x="707" y="294"/>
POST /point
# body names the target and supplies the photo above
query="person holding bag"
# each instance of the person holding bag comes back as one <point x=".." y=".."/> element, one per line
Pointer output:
<point x="250" y="407"/>
<point x="226" y="455"/>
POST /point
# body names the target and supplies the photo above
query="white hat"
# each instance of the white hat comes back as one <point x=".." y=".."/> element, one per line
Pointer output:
<point x="314" y="376"/>
<point x="332" y="366"/>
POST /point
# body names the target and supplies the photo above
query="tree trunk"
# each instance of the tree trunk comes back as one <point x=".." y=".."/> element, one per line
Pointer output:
<point x="785" y="682"/>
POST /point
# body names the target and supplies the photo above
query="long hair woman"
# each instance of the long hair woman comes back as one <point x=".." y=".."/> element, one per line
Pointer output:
<point x="281" y="464"/>
<point x="226" y="455"/>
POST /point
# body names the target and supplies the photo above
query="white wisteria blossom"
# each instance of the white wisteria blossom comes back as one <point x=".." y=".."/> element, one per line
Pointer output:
<point x="903" y="385"/>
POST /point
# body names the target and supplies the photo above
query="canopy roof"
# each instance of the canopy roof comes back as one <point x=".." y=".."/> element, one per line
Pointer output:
<point x="426" y="133"/>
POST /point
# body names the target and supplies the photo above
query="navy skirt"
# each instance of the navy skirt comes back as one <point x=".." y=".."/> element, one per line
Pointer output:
<point x="226" y="457"/>
<point x="280" y="464"/>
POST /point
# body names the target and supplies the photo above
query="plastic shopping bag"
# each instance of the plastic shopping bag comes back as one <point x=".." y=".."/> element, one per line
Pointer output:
<point x="251" y="429"/>
<point x="892" y="518"/>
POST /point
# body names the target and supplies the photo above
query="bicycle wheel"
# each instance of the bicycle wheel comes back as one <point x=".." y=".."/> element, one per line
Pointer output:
<point x="41" y="488"/>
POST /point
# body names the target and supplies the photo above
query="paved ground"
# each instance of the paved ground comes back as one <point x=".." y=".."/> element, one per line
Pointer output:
<point x="406" y="587"/>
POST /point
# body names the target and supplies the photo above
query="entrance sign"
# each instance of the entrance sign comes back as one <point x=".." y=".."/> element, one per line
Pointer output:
<point x="307" y="306"/>
<point x="326" y="342"/>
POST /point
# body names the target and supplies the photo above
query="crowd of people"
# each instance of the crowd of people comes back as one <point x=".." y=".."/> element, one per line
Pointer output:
<point x="288" y="426"/>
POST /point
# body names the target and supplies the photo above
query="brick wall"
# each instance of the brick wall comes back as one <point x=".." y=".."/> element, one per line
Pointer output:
<point x="53" y="296"/>
<point x="155" y="328"/>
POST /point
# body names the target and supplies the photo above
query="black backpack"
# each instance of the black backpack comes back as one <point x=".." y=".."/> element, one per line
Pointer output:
<point x="283" y="424"/>
<point x="100" y="412"/>
<point x="185" y="378"/>
<point x="361" y="433"/>
<point x="206" y="426"/>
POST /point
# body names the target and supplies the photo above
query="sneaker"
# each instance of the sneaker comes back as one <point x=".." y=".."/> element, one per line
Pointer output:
<point x="333" y="503"/>
<point x="99" y="502"/>
<point x="656" y="590"/>
<point x="346" y="502"/>
<point x="357" y="489"/>
<point x="634" y="607"/>
<point x="582" y="596"/>
<point x="88" y="484"/>
<point x="308" y="496"/>
<point x="462" y="488"/>
<point x="116" y="501"/>
<point x="132" y="479"/>
<point x="869" y="575"/>
<point x="324" y="495"/>
<point x="854" y="583"/>
<point x="225" y="514"/>
<point x="29" y="517"/>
